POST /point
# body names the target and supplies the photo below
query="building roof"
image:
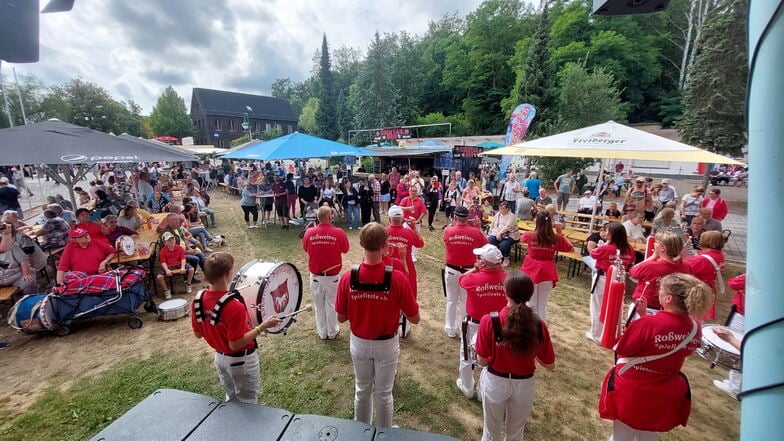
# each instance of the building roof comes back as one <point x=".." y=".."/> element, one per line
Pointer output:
<point x="220" y="102"/>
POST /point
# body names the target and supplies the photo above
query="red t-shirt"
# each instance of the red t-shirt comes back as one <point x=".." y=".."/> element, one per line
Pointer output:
<point x="88" y="259"/>
<point x="652" y="395"/>
<point x="651" y="271"/>
<point x="703" y="269"/>
<point x="485" y="292"/>
<point x="459" y="243"/>
<point x="502" y="359"/>
<point x="606" y="254"/>
<point x="396" y="264"/>
<point x="173" y="257"/>
<point x="403" y="237"/>
<point x="738" y="284"/>
<point x="375" y="313"/>
<point x="419" y="207"/>
<point x="324" y="245"/>
<point x="539" y="262"/>
<point x="234" y="323"/>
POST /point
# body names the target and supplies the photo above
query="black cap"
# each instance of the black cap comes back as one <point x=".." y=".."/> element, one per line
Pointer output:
<point x="461" y="212"/>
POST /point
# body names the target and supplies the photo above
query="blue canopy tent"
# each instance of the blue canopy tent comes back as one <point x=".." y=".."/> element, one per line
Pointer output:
<point x="489" y="145"/>
<point x="295" y="146"/>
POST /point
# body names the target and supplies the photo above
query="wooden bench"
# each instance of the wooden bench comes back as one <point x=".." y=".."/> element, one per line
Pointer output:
<point x="228" y="188"/>
<point x="576" y="263"/>
<point x="8" y="293"/>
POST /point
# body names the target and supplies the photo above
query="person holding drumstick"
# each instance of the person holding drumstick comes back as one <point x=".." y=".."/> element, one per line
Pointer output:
<point x="666" y="259"/>
<point x="371" y="297"/>
<point x="646" y="392"/>
<point x="231" y="336"/>
<point x="507" y="384"/>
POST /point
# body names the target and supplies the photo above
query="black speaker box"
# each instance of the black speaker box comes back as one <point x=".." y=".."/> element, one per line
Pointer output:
<point x="19" y="31"/>
<point x="242" y="421"/>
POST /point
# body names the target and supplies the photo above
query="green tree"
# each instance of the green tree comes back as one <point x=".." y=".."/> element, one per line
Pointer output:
<point x="587" y="98"/>
<point x="534" y="84"/>
<point x="714" y="101"/>
<point x="307" y="119"/>
<point x="460" y="125"/>
<point x="375" y="98"/>
<point x="326" y="112"/>
<point x="169" y="116"/>
<point x="32" y="90"/>
<point x="296" y="93"/>
<point x="442" y="37"/>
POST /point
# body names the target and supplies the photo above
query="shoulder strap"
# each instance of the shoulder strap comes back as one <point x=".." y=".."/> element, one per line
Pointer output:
<point x="633" y="361"/>
<point x="719" y="279"/>
<point x="497" y="332"/>
<point x="215" y="315"/>
<point x="198" y="306"/>
<point x="384" y="286"/>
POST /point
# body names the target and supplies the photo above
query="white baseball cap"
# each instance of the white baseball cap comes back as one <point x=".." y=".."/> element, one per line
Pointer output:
<point x="489" y="253"/>
<point x="395" y="211"/>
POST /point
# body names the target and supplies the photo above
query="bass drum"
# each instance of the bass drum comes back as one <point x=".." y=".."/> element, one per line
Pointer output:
<point x="269" y="288"/>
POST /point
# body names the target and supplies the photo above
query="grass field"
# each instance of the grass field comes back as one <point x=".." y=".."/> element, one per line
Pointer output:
<point x="304" y="374"/>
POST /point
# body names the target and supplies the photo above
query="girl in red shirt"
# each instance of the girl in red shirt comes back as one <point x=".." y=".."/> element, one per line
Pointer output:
<point x="539" y="263"/>
<point x="605" y="255"/>
<point x="666" y="259"/>
<point x="708" y="264"/>
<point x="650" y="396"/>
<point x="507" y="384"/>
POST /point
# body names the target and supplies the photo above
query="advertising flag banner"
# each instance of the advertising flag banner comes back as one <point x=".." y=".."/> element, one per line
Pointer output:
<point x="516" y="130"/>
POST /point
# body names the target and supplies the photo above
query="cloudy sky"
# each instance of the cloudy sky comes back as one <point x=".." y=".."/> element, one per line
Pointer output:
<point x="136" y="48"/>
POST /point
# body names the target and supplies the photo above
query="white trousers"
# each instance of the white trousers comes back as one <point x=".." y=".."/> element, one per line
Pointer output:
<point x="504" y="396"/>
<point x="455" y="300"/>
<point x="622" y="432"/>
<point x="538" y="302"/>
<point x="324" y="290"/>
<point x="737" y="323"/>
<point x="239" y="377"/>
<point x="375" y="367"/>
<point x="596" y="309"/>
<point x="465" y="368"/>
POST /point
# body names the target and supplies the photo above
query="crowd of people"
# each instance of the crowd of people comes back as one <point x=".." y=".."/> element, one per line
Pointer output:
<point x="499" y="316"/>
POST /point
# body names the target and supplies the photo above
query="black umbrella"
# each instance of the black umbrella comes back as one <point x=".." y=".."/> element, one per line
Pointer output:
<point x="56" y="143"/>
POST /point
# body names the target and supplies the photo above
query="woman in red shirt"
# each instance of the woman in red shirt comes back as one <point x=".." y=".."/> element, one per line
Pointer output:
<point x="716" y="204"/>
<point x="646" y="392"/>
<point x="507" y="385"/>
<point x="666" y="259"/>
<point x="605" y="255"/>
<point x="708" y="264"/>
<point x="539" y="262"/>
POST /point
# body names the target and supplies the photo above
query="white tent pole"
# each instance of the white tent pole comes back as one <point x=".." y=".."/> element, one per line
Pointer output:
<point x="597" y="189"/>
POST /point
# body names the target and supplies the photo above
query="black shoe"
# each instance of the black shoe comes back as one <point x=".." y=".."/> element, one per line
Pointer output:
<point x="195" y="280"/>
<point x="3" y="344"/>
<point x="430" y="227"/>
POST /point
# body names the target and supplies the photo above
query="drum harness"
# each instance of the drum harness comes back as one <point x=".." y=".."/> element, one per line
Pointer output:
<point x="215" y="313"/>
<point x="384" y="286"/>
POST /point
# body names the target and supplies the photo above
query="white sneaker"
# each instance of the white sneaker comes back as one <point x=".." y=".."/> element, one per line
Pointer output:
<point x="250" y="226"/>
<point x="209" y="250"/>
<point x="188" y="288"/>
<point x="167" y="294"/>
<point x="724" y="386"/>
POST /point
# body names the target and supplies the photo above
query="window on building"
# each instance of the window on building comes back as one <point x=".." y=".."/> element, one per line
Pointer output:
<point x="267" y="126"/>
<point x="218" y="124"/>
<point x="220" y="144"/>
<point x="232" y="125"/>
<point x="291" y="128"/>
<point x="257" y="127"/>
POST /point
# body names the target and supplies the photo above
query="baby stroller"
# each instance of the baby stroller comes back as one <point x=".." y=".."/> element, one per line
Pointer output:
<point x="122" y="293"/>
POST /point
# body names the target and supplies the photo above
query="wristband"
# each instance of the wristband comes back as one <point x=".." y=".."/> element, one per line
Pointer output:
<point x="258" y="330"/>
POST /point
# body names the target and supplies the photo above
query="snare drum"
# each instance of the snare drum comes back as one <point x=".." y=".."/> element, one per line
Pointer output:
<point x="718" y="351"/>
<point x="269" y="288"/>
<point x="173" y="309"/>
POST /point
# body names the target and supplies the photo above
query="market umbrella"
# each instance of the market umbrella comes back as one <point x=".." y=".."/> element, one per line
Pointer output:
<point x="294" y="146"/>
<point x="55" y="142"/>
<point x="490" y="145"/>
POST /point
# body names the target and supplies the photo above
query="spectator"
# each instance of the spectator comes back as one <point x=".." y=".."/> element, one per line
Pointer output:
<point x="503" y="231"/>
<point x="544" y="198"/>
<point x="634" y="229"/>
<point x="613" y="211"/>
<point x="665" y="221"/>
<point x="115" y="230"/>
<point x="9" y="197"/>
<point x="158" y="202"/>
<point x="533" y="184"/>
<point x="717" y="205"/>
<point x="84" y="254"/>
<point x="564" y="184"/>
<point x="638" y="198"/>
<point x="196" y="227"/>
<point x="525" y="206"/>
<point x="54" y="231"/>
<point x="351" y="205"/>
<point x="130" y="217"/>
<point x="667" y="193"/>
<point x="15" y="266"/>
<point x="691" y="203"/>
<point x="509" y="192"/>
<point x="172" y="258"/>
<point x="66" y="215"/>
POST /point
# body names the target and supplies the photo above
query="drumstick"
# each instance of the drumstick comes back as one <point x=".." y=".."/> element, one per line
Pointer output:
<point x="307" y="307"/>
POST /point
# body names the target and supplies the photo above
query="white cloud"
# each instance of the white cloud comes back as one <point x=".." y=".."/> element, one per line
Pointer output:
<point x="135" y="49"/>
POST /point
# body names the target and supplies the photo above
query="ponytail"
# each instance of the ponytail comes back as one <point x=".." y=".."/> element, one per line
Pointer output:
<point x="691" y="295"/>
<point x="520" y="332"/>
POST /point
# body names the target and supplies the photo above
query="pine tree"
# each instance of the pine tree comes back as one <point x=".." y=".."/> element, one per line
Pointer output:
<point x="375" y="98"/>
<point x="714" y="100"/>
<point x="169" y="117"/>
<point x="326" y="115"/>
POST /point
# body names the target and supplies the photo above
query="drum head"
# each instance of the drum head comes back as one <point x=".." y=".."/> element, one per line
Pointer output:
<point x="269" y="288"/>
<point x="172" y="304"/>
<point x="711" y="338"/>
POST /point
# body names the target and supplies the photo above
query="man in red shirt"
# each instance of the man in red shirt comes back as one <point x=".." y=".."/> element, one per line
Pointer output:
<point x="459" y="242"/>
<point x="172" y="257"/>
<point x="97" y="230"/>
<point x="485" y="293"/>
<point x="229" y="332"/>
<point x="84" y="254"/>
<point x="413" y="211"/>
<point x="371" y="298"/>
<point x="404" y="238"/>
<point x="324" y="244"/>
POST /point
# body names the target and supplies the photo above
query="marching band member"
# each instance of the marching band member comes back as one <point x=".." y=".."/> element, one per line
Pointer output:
<point x="404" y="239"/>
<point x="485" y="293"/>
<point x="539" y="263"/>
<point x="228" y="332"/>
<point x="708" y="264"/>
<point x="604" y="256"/>
<point x="509" y="350"/>
<point x="666" y="259"/>
<point x="324" y="244"/>
<point x="371" y="297"/>
<point x="413" y="211"/>
<point x="646" y="392"/>
<point x="459" y="242"/>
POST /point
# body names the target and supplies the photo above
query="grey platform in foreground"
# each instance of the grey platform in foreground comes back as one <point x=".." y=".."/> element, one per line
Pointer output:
<point x="170" y="414"/>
